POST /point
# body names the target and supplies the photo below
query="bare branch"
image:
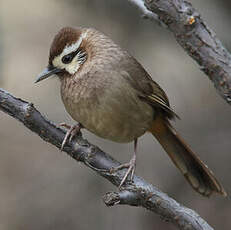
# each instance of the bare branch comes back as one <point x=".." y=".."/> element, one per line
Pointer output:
<point x="146" y="13"/>
<point x="195" y="37"/>
<point x="137" y="193"/>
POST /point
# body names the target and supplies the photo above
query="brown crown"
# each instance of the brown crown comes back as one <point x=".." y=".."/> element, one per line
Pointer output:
<point x="66" y="36"/>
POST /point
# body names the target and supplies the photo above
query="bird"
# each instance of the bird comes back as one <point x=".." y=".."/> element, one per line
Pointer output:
<point x="109" y="93"/>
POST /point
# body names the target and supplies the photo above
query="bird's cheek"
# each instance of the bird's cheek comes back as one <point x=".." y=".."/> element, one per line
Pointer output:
<point x="58" y="63"/>
<point x="73" y="67"/>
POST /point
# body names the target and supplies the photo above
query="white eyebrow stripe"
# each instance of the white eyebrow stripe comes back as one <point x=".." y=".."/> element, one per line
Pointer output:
<point x="74" y="65"/>
<point x="73" y="47"/>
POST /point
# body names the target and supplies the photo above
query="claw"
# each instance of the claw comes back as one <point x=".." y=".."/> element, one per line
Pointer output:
<point x="131" y="166"/>
<point x="131" y="169"/>
<point x="63" y="124"/>
<point x="72" y="131"/>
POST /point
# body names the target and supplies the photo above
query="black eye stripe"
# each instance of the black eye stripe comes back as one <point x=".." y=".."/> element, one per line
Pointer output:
<point x="69" y="57"/>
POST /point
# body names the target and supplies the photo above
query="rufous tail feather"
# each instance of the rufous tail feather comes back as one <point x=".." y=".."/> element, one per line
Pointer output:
<point x="199" y="176"/>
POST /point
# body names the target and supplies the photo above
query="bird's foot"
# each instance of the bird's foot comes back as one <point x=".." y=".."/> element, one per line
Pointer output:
<point x="131" y="166"/>
<point x="72" y="131"/>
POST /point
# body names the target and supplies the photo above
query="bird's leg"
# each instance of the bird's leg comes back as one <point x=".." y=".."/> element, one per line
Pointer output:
<point x="72" y="131"/>
<point x="131" y="166"/>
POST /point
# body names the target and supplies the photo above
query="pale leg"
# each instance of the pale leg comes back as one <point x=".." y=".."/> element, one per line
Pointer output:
<point x="131" y="166"/>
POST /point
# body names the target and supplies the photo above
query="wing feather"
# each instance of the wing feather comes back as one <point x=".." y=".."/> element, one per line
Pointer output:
<point x="148" y="90"/>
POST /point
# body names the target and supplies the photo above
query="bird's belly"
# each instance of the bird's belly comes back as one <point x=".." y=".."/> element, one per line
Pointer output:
<point x="119" y="121"/>
<point x="117" y="125"/>
<point x="113" y="112"/>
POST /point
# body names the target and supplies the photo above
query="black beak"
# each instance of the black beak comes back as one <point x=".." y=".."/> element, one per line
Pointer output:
<point x="50" y="70"/>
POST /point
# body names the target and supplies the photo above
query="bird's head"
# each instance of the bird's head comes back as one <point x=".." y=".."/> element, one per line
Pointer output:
<point x="68" y="53"/>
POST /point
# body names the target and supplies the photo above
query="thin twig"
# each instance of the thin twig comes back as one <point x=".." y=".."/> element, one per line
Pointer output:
<point x="136" y="193"/>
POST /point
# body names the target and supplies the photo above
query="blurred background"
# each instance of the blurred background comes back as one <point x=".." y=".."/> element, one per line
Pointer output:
<point x="42" y="188"/>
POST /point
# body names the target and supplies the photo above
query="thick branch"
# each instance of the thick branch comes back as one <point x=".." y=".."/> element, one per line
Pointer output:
<point x="195" y="37"/>
<point x="138" y="193"/>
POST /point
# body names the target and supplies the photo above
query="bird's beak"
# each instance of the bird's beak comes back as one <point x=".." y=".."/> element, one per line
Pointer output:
<point x="47" y="72"/>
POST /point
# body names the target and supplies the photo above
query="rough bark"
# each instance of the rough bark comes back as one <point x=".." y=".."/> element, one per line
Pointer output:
<point x="195" y="37"/>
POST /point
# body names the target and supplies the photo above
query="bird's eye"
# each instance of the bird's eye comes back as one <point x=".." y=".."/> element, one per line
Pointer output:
<point x="67" y="58"/>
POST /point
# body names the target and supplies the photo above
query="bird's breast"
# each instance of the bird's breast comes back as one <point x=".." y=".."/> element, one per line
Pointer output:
<point x="112" y="111"/>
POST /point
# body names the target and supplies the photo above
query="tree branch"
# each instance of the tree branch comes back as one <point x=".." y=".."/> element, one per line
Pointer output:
<point x="137" y="193"/>
<point x="195" y="37"/>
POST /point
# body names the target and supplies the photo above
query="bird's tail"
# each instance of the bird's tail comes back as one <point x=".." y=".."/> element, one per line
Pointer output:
<point x="195" y="171"/>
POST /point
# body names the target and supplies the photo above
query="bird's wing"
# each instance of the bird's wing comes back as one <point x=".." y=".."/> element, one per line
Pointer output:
<point x="159" y="99"/>
<point x="148" y="89"/>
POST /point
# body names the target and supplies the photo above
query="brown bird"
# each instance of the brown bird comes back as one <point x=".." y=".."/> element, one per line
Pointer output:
<point x="110" y="94"/>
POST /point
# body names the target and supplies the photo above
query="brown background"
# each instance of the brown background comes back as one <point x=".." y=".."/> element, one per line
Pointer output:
<point x="42" y="188"/>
